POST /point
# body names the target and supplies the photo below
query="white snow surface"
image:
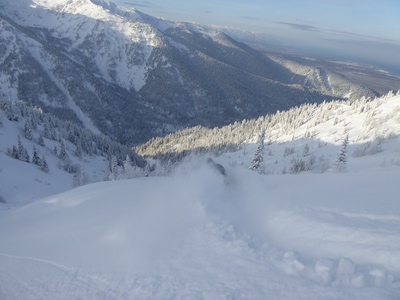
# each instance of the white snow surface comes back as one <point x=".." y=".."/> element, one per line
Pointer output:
<point x="198" y="235"/>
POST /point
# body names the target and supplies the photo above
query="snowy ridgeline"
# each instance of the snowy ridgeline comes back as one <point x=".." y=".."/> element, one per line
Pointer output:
<point x="192" y="236"/>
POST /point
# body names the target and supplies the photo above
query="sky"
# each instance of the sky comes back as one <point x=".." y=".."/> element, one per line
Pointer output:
<point x="367" y="30"/>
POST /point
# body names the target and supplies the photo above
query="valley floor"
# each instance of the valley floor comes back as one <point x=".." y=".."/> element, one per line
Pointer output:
<point x="197" y="235"/>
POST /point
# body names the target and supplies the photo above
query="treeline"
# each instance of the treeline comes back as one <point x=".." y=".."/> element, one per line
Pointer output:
<point x="229" y="138"/>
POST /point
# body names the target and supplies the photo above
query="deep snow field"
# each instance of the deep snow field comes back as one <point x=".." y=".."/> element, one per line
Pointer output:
<point x="196" y="234"/>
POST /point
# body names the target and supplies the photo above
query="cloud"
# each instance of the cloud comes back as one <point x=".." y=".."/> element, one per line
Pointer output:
<point x="138" y="3"/>
<point x="300" y="26"/>
<point x="363" y="36"/>
<point x="252" y="18"/>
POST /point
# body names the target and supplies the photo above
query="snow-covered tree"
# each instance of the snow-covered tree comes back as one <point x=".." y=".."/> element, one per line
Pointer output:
<point x="114" y="169"/>
<point x="128" y="168"/>
<point x="257" y="164"/>
<point x="78" y="150"/>
<point x="35" y="157"/>
<point x="298" y="165"/>
<point x="41" y="140"/>
<point x="22" y="152"/>
<point x="288" y="151"/>
<point x="63" y="152"/>
<point x="28" y="130"/>
<point x="306" y="150"/>
<point x="341" y="159"/>
<point x="55" y="150"/>
<point x="14" y="152"/>
<point x="168" y="167"/>
<point x="147" y="170"/>
<point x="45" y="166"/>
<point x="46" y="130"/>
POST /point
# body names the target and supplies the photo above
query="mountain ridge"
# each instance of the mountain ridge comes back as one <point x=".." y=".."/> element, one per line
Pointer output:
<point x="132" y="76"/>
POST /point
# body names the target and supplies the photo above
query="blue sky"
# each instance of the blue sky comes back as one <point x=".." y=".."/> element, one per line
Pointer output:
<point x="365" y="29"/>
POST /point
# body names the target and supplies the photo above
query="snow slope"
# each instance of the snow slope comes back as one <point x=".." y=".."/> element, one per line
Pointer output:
<point x="199" y="235"/>
<point x="191" y="236"/>
<point x="22" y="182"/>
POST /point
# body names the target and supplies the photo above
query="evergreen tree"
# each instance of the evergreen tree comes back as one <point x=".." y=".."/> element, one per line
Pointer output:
<point x="14" y="152"/>
<point x="46" y="130"/>
<point x="114" y="170"/>
<point x="168" y="167"/>
<point x="257" y="164"/>
<point x="22" y="152"/>
<point x="147" y="170"/>
<point x="128" y="169"/>
<point x="44" y="167"/>
<point x="341" y="159"/>
<point x="298" y="165"/>
<point x="28" y="130"/>
<point x="306" y="150"/>
<point x="41" y="140"/>
<point x="78" y="150"/>
<point x="63" y="152"/>
<point x="55" y="150"/>
<point x="35" y="157"/>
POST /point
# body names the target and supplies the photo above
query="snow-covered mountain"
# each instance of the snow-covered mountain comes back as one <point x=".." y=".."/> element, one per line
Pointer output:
<point x="133" y="76"/>
<point x="299" y="228"/>
<point x="200" y="235"/>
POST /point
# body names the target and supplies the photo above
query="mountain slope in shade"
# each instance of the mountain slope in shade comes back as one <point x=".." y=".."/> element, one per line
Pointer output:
<point x="132" y="76"/>
<point x="74" y="156"/>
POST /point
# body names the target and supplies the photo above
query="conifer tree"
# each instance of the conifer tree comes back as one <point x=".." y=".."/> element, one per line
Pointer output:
<point x="55" y="150"/>
<point x="78" y="150"/>
<point x="41" y="140"/>
<point x="28" y="130"/>
<point x="14" y="152"/>
<point x="35" y="157"/>
<point x="114" y="170"/>
<point x="257" y="164"/>
<point x="128" y="169"/>
<point x="46" y="130"/>
<point x="63" y="152"/>
<point x="22" y="152"/>
<point x="168" y="167"/>
<point x="306" y="150"/>
<point x="341" y="159"/>
<point x="45" y="166"/>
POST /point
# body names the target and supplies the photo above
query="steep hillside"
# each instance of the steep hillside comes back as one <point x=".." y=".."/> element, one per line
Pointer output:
<point x="42" y="155"/>
<point x="132" y="76"/>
